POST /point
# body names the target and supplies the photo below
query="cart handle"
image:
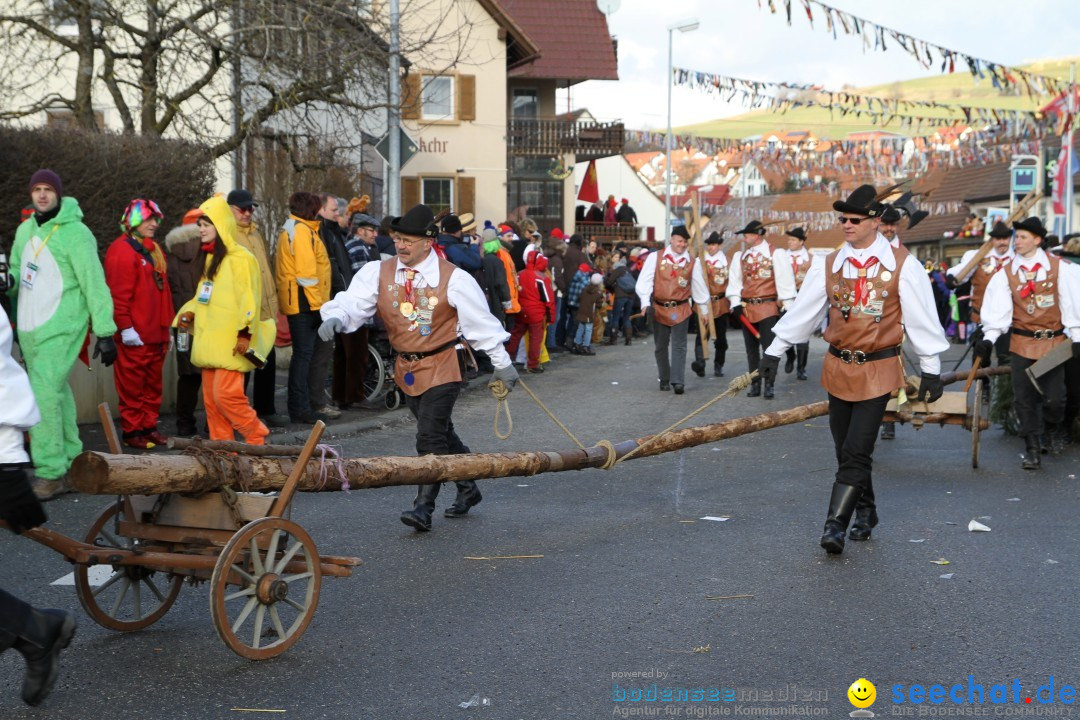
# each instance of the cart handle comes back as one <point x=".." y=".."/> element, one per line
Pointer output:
<point x="285" y="496"/>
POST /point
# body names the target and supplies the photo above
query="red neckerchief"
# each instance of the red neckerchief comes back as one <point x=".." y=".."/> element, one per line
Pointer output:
<point x="1000" y="262"/>
<point x="861" y="293"/>
<point x="409" y="275"/>
<point x="675" y="265"/>
<point x="1031" y="273"/>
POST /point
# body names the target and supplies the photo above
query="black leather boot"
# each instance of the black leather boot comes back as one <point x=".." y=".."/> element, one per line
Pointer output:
<point x="718" y="370"/>
<point x="1057" y="435"/>
<point x="424" y="504"/>
<point x="866" y="518"/>
<point x="768" y="389"/>
<point x="755" y="389"/>
<point x="888" y="431"/>
<point x="789" y="363"/>
<point x="47" y="632"/>
<point x="698" y="366"/>
<point x="802" y="353"/>
<point x="1029" y="459"/>
<point x="468" y="496"/>
<point x="841" y="505"/>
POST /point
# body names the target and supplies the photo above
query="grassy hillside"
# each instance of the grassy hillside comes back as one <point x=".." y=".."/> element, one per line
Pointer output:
<point x="958" y="87"/>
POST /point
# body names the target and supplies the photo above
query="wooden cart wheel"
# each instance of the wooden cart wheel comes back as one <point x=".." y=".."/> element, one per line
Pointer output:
<point x="976" y="421"/>
<point x="265" y="588"/>
<point x="133" y="597"/>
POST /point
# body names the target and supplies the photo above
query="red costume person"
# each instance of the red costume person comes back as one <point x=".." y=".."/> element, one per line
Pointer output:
<point x="537" y="298"/>
<point x="135" y="271"/>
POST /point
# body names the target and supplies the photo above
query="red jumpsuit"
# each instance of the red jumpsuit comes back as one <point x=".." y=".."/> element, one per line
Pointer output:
<point x="537" y="298"/>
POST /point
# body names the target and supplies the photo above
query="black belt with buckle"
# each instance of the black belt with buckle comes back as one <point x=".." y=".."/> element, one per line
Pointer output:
<point x="670" y="303"/>
<point x="859" y="357"/>
<point x="1046" y="334"/>
<point x="414" y="356"/>
<point x="758" y="301"/>
<point x="718" y="297"/>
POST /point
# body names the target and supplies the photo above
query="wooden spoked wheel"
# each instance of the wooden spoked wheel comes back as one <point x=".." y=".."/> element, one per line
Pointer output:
<point x="133" y="597"/>
<point x="976" y="420"/>
<point x="265" y="588"/>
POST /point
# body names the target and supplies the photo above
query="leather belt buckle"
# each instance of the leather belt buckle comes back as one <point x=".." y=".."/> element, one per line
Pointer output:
<point x="853" y="356"/>
<point x="1044" y="334"/>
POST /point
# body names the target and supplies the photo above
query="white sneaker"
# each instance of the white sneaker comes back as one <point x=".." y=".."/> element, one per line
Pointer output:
<point x="329" y="411"/>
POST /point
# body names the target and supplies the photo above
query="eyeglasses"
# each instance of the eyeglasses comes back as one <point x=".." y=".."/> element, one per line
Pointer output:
<point x="854" y="221"/>
<point x="407" y="242"/>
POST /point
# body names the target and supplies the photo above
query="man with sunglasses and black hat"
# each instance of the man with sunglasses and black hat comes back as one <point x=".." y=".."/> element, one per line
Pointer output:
<point x="669" y="282"/>
<point x="761" y="285"/>
<point x="1038" y="297"/>
<point x="874" y="294"/>
<point x="422" y="300"/>
<point x="799" y="259"/>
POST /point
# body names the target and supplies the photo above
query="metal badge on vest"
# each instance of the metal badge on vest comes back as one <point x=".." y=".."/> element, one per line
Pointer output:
<point x="1036" y="324"/>
<point x="759" y="287"/>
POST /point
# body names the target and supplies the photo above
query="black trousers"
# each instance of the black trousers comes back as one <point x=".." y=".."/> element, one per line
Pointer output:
<point x="854" y="428"/>
<point x="350" y="367"/>
<point x="265" y="379"/>
<point x="434" y="428"/>
<point x="13" y="616"/>
<point x="1072" y="390"/>
<point x="1037" y="411"/>
<point x="720" y="345"/>
<point x="754" y="346"/>
<point x="187" y="397"/>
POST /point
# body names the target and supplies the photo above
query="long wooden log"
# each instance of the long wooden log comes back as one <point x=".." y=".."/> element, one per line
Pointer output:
<point x="104" y="474"/>
<point x="179" y="443"/>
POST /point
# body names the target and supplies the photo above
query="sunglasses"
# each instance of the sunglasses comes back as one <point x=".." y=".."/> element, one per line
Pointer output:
<point x="853" y="220"/>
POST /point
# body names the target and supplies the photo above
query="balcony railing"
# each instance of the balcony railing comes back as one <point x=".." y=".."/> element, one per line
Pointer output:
<point x="621" y="232"/>
<point x="548" y="138"/>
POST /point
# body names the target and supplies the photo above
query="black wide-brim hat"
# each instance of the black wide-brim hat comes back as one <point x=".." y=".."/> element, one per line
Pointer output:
<point x="680" y="231"/>
<point x="1001" y="230"/>
<point x="418" y="222"/>
<point x="714" y="239"/>
<point x="797" y="233"/>
<point x="863" y="201"/>
<point x="754" y="227"/>
<point x="890" y="215"/>
<point x="1033" y="225"/>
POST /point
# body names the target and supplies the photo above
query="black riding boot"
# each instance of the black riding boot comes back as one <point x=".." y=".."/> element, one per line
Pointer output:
<point x="802" y="352"/>
<point x="755" y="389"/>
<point x="789" y="362"/>
<point x="718" y="369"/>
<point x="468" y="495"/>
<point x="47" y="632"/>
<point x="1029" y="459"/>
<point x="768" y="389"/>
<point x="424" y="504"/>
<point x="866" y="518"/>
<point x="1057" y="434"/>
<point x="841" y="505"/>
<point x="888" y="430"/>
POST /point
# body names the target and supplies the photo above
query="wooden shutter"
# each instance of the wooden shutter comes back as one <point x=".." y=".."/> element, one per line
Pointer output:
<point x="410" y="193"/>
<point x="466" y="97"/>
<point x="410" y="97"/>
<point x="466" y="196"/>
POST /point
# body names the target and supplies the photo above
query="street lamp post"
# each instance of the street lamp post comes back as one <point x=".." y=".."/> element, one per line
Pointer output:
<point x="684" y="26"/>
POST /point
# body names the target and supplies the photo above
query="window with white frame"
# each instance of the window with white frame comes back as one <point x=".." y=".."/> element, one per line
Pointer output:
<point x="437" y="97"/>
<point x="437" y="193"/>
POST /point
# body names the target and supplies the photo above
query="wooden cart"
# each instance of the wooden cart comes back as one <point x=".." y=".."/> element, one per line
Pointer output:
<point x="970" y="411"/>
<point x="264" y="570"/>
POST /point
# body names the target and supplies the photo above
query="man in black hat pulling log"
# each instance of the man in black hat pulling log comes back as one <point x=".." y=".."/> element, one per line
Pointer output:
<point x="799" y="259"/>
<point x="422" y="300"/>
<point x="1038" y="297"/>
<point x="716" y="275"/>
<point x="873" y="293"/>
<point x="1000" y="256"/>
<point x="668" y="281"/>
<point x="761" y="285"/>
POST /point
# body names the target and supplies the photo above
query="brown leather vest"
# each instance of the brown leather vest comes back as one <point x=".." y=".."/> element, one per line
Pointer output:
<point x="979" y="280"/>
<point x="431" y="324"/>
<point x="758" y="282"/>
<point x="877" y="326"/>
<point x="671" y="285"/>
<point x="1041" y="310"/>
<point x="717" y="278"/>
<point x="800" y="270"/>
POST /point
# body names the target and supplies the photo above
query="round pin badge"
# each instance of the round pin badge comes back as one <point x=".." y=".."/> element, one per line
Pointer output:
<point x="406" y="309"/>
<point x="886" y="276"/>
<point x="425" y="330"/>
<point x="409" y="379"/>
<point x="432" y="301"/>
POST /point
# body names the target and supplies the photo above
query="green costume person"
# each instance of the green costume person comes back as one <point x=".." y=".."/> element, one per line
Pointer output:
<point x="60" y="291"/>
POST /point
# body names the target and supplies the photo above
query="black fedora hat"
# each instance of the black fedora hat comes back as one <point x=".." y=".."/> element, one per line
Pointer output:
<point x="1001" y="230"/>
<point x="714" y="239"/>
<point x="451" y="224"/>
<point x="891" y="215"/>
<point x="1033" y="225"/>
<point x="680" y="231"/>
<point x="797" y="233"/>
<point x="863" y="201"/>
<point x="917" y="217"/>
<point x="418" y="222"/>
<point x="754" y="227"/>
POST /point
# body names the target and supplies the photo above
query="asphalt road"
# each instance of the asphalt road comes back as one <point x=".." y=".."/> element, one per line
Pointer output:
<point x="624" y="593"/>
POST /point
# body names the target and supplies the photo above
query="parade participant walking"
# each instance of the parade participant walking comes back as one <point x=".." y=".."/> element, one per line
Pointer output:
<point x="873" y="294"/>
<point x="1000" y="256"/>
<point x="61" y="292"/>
<point x="890" y="225"/>
<point x="1037" y="296"/>
<point x="669" y="280"/>
<point x="38" y="635"/>
<point x="537" y="310"/>
<point x="137" y="274"/>
<point x="800" y="265"/>
<point x="422" y="300"/>
<point x="760" y="285"/>
<point x="227" y="338"/>
<point x="716" y="274"/>
<point x="184" y="269"/>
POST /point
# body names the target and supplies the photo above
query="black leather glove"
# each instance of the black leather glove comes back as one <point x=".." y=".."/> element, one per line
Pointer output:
<point x="736" y="313"/>
<point x="767" y="368"/>
<point x="106" y="348"/>
<point x="982" y="350"/>
<point x="951" y="282"/>
<point x="930" y="388"/>
<point x="19" y="506"/>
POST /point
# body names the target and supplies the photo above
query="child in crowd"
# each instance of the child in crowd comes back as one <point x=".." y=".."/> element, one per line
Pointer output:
<point x="589" y="302"/>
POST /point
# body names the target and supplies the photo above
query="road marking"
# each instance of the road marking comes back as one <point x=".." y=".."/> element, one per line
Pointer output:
<point x="96" y="574"/>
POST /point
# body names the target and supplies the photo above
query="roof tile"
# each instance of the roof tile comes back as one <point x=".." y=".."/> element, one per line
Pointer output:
<point x="573" y="37"/>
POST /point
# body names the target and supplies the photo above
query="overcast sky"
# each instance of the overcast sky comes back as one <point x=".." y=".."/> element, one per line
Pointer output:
<point x="738" y="39"/>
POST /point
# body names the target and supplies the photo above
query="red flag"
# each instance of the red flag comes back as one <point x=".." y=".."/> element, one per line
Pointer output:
<point x="590" y="188"/>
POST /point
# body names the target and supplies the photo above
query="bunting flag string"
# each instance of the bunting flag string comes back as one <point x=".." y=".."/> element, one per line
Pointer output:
<point x="821" y="220"/>
<point x="925" y="53"/>
<point x="873" y="109"/>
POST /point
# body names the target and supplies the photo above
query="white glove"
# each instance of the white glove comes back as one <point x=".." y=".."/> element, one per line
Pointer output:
<point x="507" y="305"/>
<point x="329" y="328"/>
<point x="129" y="337"/>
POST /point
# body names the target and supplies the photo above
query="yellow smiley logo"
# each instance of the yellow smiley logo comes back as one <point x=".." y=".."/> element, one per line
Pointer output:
<point x="862" y="693"/>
